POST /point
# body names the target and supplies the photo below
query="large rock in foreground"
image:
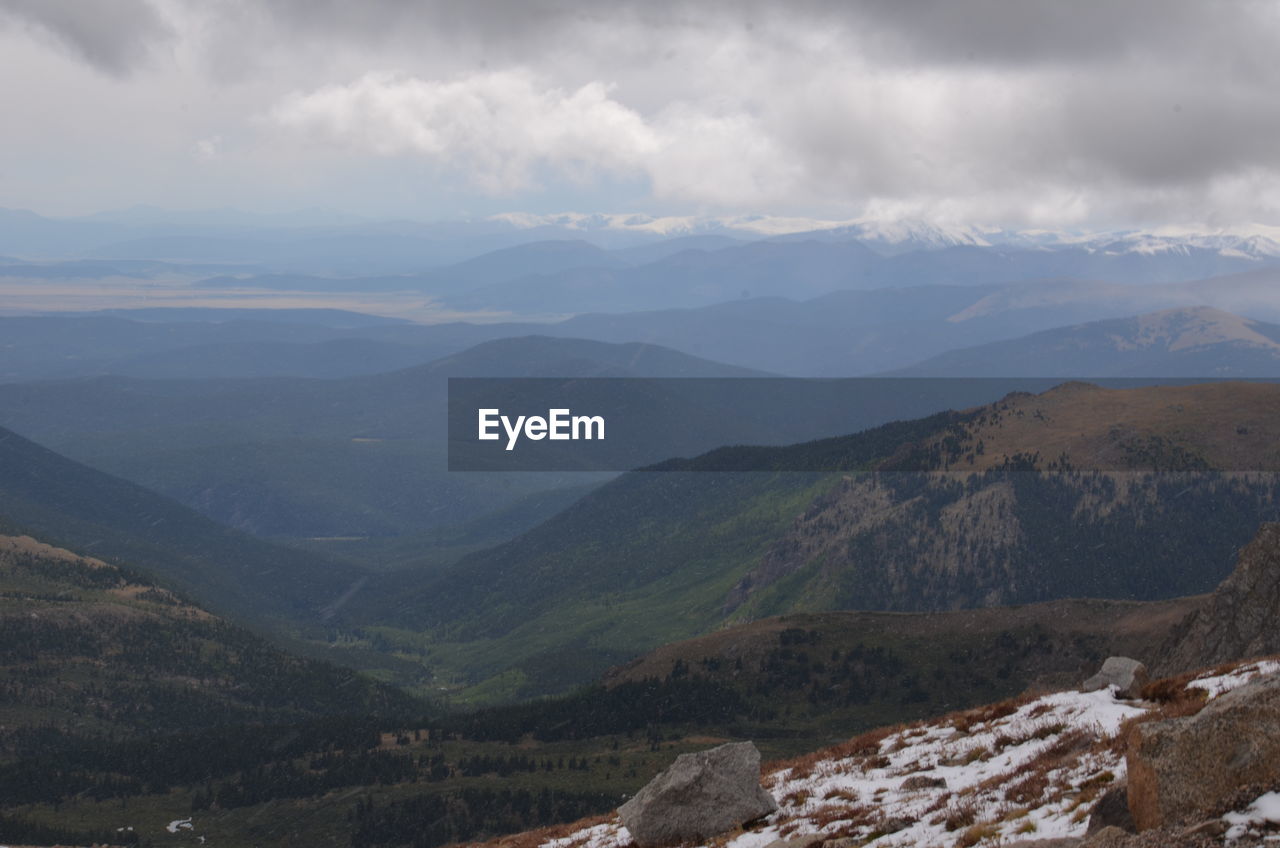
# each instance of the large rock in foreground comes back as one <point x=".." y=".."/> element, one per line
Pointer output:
<point x="1183" y="769"/>
<point x="698" y="796"/>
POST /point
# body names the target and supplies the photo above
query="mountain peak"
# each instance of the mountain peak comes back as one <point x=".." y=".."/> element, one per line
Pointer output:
<point x="1195" y="327"/>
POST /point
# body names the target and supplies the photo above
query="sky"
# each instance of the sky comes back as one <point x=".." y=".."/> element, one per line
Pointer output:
<point x="1034" y="113"/>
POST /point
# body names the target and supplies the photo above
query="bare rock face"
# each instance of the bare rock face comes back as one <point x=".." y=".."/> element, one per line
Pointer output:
<point x="1238" y="621"/>
<point x="1127" y="675"/>
<point x="1182" y="769"/>
<point x="699" y="796"/>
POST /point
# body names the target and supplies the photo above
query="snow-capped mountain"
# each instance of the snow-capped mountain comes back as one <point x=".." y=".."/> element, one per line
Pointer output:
<point x="893" y="236"/>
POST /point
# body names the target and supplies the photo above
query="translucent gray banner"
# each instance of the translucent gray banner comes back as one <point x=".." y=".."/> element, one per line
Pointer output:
<point x="620" y="424"/>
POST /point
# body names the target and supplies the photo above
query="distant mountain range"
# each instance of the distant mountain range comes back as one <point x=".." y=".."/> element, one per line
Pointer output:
<point x="565" y="277"/>
<point x="358" y="456"/>
<point x="1195" y="342"/>
<point x="324" y="242"/>
<point x="859" y="333"/>
<point x="842" y="334"/>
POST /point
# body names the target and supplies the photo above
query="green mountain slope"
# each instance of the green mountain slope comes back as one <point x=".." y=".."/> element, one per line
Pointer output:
<point x="657" y="556"/>
<point x="60" y="499"/>
<point x="93" y="648"/>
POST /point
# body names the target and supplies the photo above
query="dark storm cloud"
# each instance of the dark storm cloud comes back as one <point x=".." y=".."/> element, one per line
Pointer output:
<point x="1041" y="31"/>
<point x="1025" y="31"/>
<point x="113" y="37"/>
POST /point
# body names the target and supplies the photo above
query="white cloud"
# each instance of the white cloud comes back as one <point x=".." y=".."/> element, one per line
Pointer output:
<point x="499" y="128"/>
<point x="502" y="129"/>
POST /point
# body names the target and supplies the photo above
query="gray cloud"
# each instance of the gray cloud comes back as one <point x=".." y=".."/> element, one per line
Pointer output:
<point x="1036" y="110"/>
<point x="113" y="37"/>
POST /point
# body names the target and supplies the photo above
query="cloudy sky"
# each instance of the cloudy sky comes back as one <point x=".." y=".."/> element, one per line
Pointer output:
<point x="1087" y="113"/>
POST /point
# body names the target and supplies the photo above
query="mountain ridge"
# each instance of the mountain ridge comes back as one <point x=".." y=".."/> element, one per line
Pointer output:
<point x="1181" y="342"/>
<point x="708" y="549"/>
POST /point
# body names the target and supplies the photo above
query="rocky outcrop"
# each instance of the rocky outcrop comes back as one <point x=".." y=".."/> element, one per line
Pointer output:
<point x="1238" y="621"/>
<point x="1127" y="675"/>
<point x="699" y="796"/>
<point x="1183" y="769"/>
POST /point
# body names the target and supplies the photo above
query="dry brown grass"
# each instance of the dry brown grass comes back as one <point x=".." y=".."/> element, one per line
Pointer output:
<point x="977" y="833"/>
<point x="966" y="720"/>
<point x="841" y="794"/>
<point x="1064" y="751"/>
<point x="961" y="813"/>
<point x="797" y="798"/>
<point x="855" y="823"/>
<point x="1029" y="790"/>
<point x="939" y="803"/>
<point x="826" y="816"/>
<point x="863" y="745"/>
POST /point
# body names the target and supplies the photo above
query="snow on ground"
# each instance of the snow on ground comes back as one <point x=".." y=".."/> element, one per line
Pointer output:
<point x="1022" y="769"/>
<point x="178" y="824"/>
<point x="1216" y="684"/>
<point x="1031" y="771"/>
<point x="1265" y="810"/>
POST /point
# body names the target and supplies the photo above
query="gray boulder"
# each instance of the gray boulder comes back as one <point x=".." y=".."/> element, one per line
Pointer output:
<point x="1127" y="675"/>
<point x="699" y="796"/>
<point x="1183" y="770"/>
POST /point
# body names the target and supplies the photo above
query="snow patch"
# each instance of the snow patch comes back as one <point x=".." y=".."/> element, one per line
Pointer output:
<point x="1264" y="810"/>
<point x="1216" y="685"/>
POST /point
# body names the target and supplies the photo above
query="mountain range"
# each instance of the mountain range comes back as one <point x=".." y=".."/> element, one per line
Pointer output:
<point x="1195" y="342"/>
<point x="837" y="335"/>
<point x="359" y="456"/>
<point x="659" y="555"/>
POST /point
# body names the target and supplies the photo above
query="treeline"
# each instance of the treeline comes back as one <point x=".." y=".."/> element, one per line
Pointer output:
<point x="239" y="673"/>
<point x="427" y="821"/>
<point x="26" y="832"/>
<point x="50" y="767"/>
<point x="603" y="711"/>
<point x="333" y="770"/>
<point x="242" y="765"/>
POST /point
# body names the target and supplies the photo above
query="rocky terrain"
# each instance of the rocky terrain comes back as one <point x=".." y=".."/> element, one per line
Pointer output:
<point x="1117" y="762"/>
<point x="1030" y="770"/>
<point x="1240" y="618"/>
